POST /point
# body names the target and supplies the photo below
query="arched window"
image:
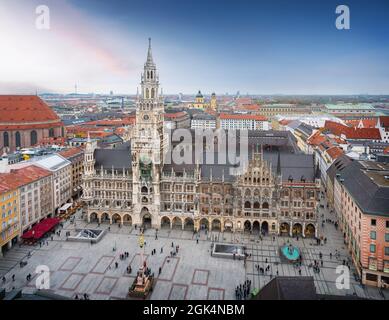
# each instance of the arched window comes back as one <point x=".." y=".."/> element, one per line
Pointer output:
<point x="18" y="143"/>
<point x="51" y="132"/>
<point x="147" y="93"/>
<point x="152" y="93"/>
<point x="265" y="205"/>
<point x="247" y="205"/>
<point x="6" y="139"/>
<point x="33" y="137"/>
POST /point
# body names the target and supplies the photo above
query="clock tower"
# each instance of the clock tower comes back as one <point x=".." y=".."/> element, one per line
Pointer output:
<point x="147" y="146"/>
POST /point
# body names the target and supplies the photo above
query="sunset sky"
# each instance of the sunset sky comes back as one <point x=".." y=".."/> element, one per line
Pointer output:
<point x="259" y="47"/>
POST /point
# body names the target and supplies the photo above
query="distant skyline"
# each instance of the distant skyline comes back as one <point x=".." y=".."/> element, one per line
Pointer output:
<point x="257" y="47"/>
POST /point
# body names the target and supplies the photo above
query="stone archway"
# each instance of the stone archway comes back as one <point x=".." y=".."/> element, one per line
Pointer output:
<point x="216" y="225"/>
<point x="177" y="223"/>
<point x="189" y="224"/>
<point x="116" y="218"/>
<point x="284" y="229"/>
<point x="105" y="218"/>
<point x="144" y="190"/>
<point x="146" y="218"/>
<point x="247" y="225"/>
<point x="265" y="227"/>
<point x="127" y="220"/>
<point x="204" y="224"/>
<point x="93" y="217"/>
<point x="256" y="227"/>
<point x="165" y="223"/>
<point x="310" y="231"/>
<point x="297" y="229"/>
<point x="228" y="226"/>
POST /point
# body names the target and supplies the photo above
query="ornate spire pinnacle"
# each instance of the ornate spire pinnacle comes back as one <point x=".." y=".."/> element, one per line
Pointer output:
<point x="149" y="54"/>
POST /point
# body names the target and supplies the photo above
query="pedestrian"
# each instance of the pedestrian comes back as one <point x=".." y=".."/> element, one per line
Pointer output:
<point x="159" y="270"/>
<point x="197" y="241"/>
<point x="13" y="277"/>
<point x="161" y="250"/>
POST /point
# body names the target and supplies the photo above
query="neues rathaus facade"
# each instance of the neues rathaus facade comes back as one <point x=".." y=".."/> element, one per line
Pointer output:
<point x="277" y="191"/>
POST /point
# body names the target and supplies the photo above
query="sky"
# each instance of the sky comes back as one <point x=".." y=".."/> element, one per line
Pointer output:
<point x="255" y="47"/>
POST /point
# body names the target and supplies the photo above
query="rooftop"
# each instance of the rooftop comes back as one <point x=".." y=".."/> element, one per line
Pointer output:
<point x="367" y="184"/>
<point x="25" y="110"/>
<point x="350" y="106"/>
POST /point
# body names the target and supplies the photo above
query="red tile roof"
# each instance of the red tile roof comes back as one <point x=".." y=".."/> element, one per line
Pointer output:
<point x="24" y="112"/>
<point x="362" y="123"/>
<point x="174" y="115"/>
<point x="335" y="152"/>
<point x="113" y="122"/>
<point x="242" y="117"/>
<point x="69" y="153"/>
<point x="384" y="121"/>
<point x="353" y="133"/>
<point x="316" y="139"/>
<point x="20" y="177"/>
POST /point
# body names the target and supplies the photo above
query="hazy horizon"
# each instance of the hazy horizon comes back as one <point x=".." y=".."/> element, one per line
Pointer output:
<point x="218" y="46"/>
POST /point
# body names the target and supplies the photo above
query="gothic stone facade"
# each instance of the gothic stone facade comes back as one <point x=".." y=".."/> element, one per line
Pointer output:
<point x="277" y="193"/>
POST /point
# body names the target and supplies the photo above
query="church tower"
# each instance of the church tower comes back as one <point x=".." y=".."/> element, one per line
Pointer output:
<point x="147" y="146"/>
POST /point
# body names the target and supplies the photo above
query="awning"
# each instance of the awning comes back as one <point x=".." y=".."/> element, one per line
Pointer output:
<point x="65" y="206"/>
<point x="40" y="229"/>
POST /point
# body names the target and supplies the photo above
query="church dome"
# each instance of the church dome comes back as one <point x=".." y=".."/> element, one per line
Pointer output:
<point x="199" y="95"/>
<point x="26" y="112"/>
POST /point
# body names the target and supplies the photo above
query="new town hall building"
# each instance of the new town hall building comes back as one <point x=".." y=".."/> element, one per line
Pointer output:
<point x="276" y="193"/>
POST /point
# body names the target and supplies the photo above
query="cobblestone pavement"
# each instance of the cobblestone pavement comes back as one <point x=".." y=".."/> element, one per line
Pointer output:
<point x="78" y="268"/>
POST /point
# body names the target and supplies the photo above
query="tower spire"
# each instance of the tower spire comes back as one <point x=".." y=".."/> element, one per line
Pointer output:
<point x="150" y="54"/>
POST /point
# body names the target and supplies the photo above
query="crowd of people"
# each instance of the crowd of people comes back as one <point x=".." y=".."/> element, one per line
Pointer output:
<point x="242" y="292"/>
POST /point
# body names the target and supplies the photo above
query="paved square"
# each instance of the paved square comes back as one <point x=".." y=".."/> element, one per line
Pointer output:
<point x="70" y="264"/>
<point x="72" y="281"/>
<point x="102" y="265"/>
<point x="106" y="285"/>
<point x="200" y="277"/>
<point x="79" y="267"/>
<point x="169" y="268"/>
<point x="178" y="292"/>
<point x="215" y="294"/>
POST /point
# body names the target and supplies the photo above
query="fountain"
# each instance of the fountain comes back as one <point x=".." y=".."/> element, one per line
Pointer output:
<point x="290" y="253"/>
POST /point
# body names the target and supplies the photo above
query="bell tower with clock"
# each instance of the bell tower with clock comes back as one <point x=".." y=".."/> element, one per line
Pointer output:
<point x="147" y="146"/>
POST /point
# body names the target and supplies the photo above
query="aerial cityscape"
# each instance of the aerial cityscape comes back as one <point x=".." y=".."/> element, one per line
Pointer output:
<point x="137" y="163"/>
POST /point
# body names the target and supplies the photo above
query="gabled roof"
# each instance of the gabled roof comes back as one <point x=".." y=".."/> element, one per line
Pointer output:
<point x="353" y="133"/>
